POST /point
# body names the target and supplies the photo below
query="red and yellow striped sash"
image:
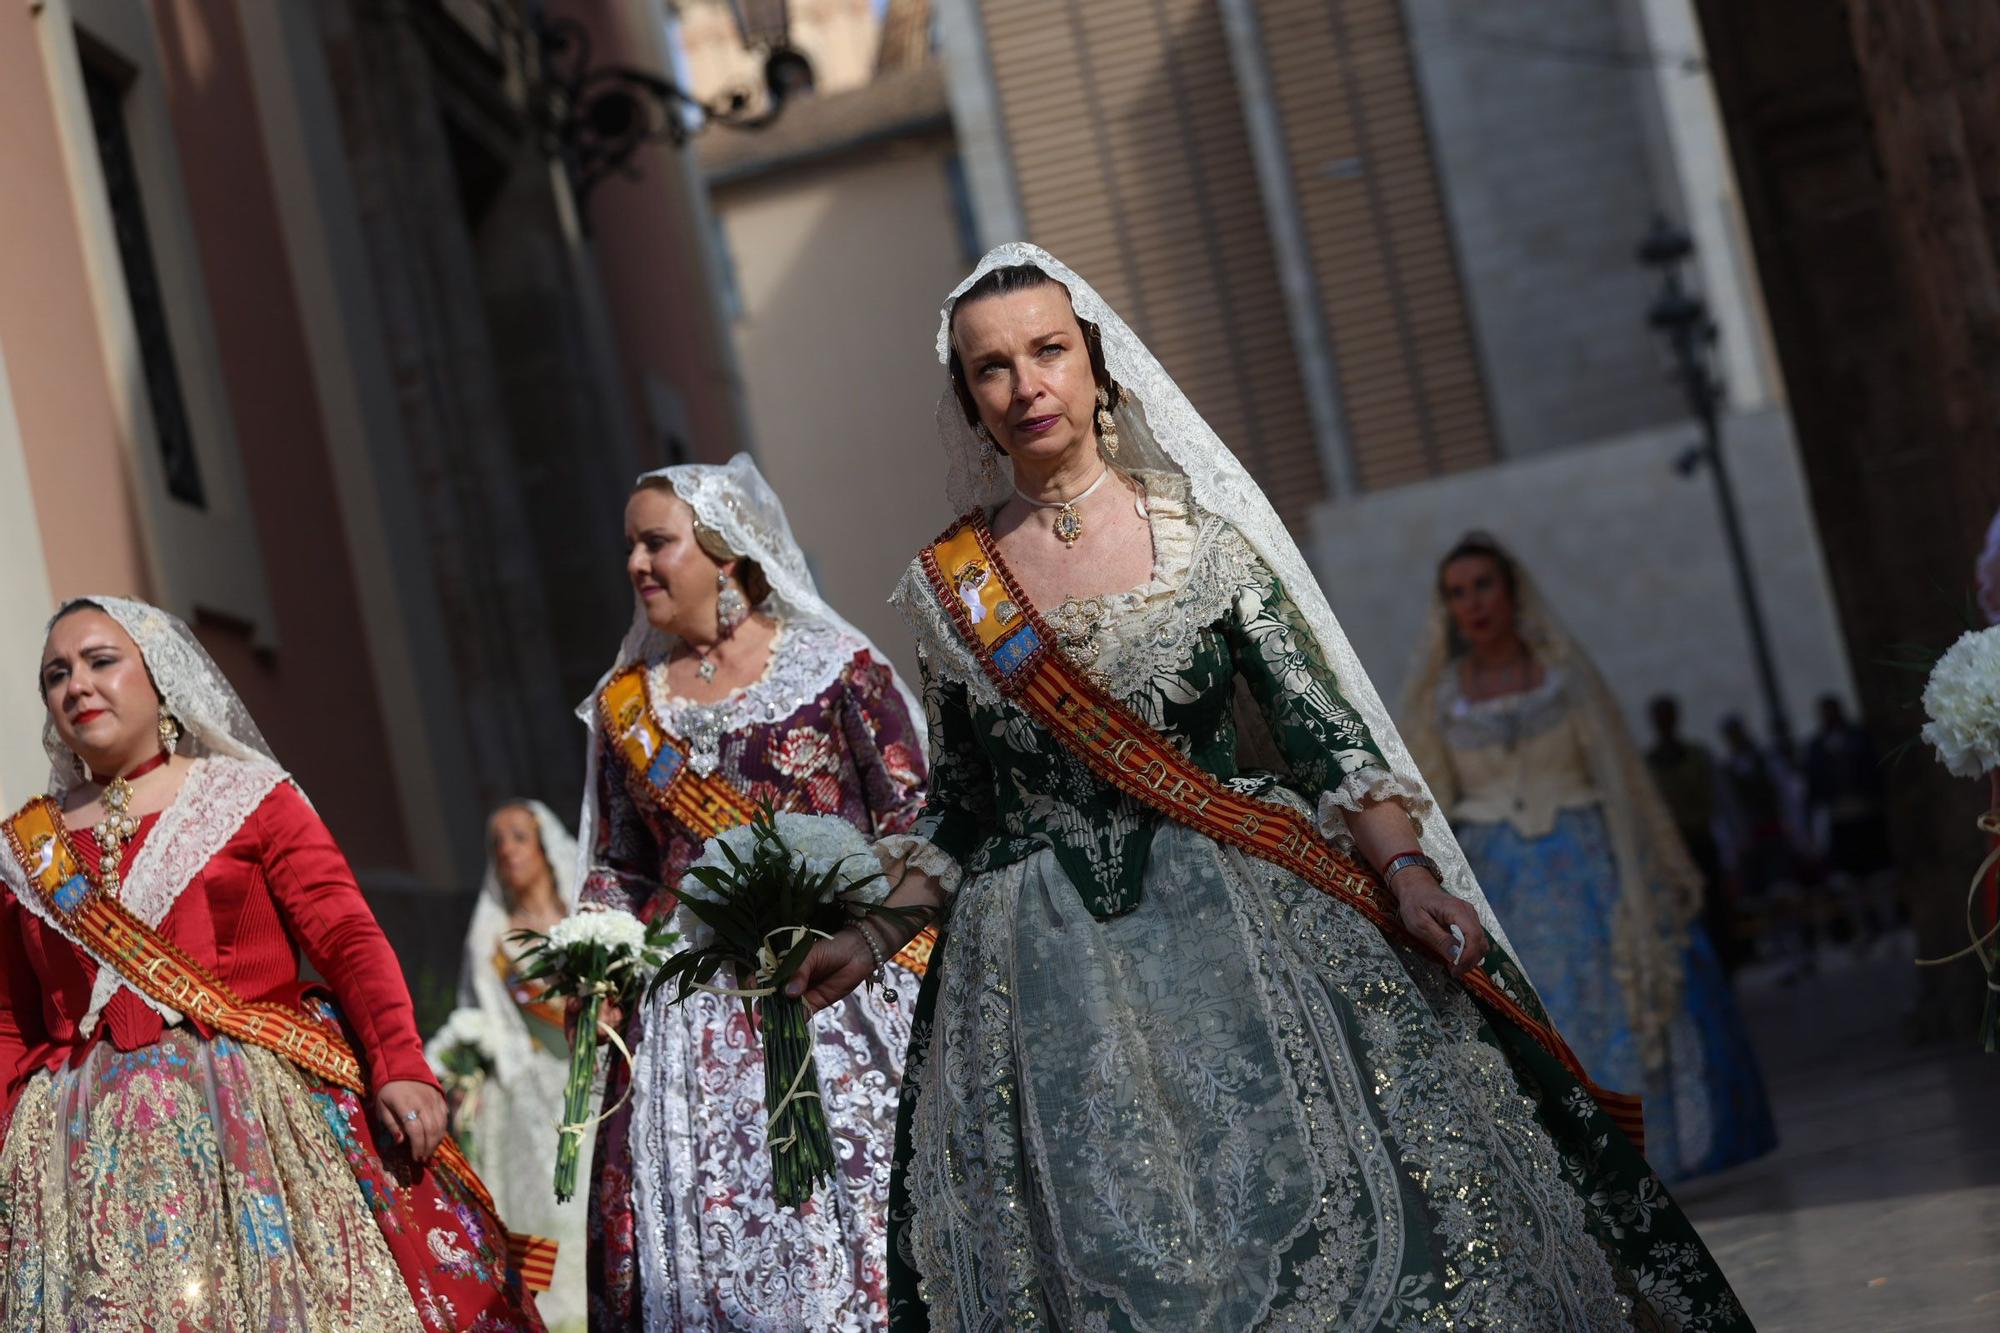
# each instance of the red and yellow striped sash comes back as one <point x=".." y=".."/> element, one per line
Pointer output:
<point x="1017" y="651"/>
<point x="705" y="805"/>
<point x="166" y="974"/>
<point x="659" y="767"/>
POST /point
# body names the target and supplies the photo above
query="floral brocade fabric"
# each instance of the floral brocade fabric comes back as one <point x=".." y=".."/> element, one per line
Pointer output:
<point x="1157" y="1084"/>
<point x="685" y="1233"/>
<point x="191" y="1184"/>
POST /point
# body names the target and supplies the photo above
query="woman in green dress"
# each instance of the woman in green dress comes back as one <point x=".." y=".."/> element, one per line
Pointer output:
<point x="1161" y="1077"/>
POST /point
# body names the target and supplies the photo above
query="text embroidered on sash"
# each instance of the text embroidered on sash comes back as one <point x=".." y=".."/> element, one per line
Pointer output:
<point x="1128" y="754"/>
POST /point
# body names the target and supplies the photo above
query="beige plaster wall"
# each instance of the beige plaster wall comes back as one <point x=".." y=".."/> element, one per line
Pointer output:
<point x="1631" y="556"/>
<point x="63" y="403"/>
<point x="841" y="269"/>
<point x="839" y="37"/>
<point x="650" y="234"/>
<point x="24" y="605"/>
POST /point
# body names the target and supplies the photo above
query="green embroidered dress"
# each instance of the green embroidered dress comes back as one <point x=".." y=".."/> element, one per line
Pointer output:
<point x="1156" y="1084"/>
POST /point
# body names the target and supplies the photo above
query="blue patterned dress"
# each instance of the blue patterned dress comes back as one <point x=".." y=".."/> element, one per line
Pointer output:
<point x="1532" y="822"/>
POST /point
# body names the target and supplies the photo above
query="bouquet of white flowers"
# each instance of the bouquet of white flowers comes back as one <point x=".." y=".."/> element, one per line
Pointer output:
<point x="592" y="957"/>
<point x="1962" y="701"/>
<point x="462" y="1055"/>
<point x="755" y="900"/>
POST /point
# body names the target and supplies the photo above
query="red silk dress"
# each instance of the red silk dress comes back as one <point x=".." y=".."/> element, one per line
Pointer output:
<point x="166" y="1176"/>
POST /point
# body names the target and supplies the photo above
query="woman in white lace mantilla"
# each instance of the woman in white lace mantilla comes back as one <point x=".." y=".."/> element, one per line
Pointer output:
<point x="168" y="1162"/>
<point x="1526" y="750"/>
<point x="530" y="883"/>
<point x="1157" y="1082"/>
<point x="736" y="665"/>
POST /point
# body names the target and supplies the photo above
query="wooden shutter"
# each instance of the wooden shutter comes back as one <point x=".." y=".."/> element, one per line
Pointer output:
<point x="1128" y="146"/>
<point x="1126" y="132"/>
<point x="1382" y="255"/>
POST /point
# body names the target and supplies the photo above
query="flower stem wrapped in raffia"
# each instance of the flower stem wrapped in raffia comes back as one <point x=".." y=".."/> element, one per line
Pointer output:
<point x="463" y="1057"/>
<point x="756" y="900"/>
<point x="592" y="956"/>
<point x="1962" y="702"/>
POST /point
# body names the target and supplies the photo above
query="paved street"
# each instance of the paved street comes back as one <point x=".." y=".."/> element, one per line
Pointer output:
<point x="1880" y="1211"/>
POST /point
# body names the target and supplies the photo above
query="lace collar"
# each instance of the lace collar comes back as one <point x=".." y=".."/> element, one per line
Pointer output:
<point x="1127" y="639"/>
<point x="806" y="657"/>
<point x="1505" y="719"/>
<point x="216" y="797"/>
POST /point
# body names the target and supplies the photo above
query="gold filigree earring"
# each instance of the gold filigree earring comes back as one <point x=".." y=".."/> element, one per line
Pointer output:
<point x="989" y="457"/>
<point x="170" y="730"/>
<point x="1107" y="426"/>
<point x="731" y="606"/>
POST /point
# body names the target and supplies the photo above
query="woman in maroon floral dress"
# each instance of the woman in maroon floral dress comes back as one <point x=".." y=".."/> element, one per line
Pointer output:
<point x="758" y="684"/>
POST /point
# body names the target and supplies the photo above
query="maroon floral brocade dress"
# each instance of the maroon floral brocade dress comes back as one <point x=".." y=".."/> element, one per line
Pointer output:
<point x="684" y="1233"/>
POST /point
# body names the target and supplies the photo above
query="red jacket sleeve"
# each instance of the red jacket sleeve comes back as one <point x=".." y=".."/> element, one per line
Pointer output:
<point x="23" y="1043"/>
<point x="323" y="909"/>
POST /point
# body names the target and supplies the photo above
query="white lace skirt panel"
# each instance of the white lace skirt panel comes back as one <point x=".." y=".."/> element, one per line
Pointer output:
<point x="715" y="1250"/>
<point x="1237" y="1107"/>
<point x="514" y="1150"/>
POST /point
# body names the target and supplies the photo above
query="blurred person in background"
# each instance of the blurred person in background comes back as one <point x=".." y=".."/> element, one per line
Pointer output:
<point x="1574" y="846"/>
<point x="1763" y="847"/>
<point x="1685" y="773"/>
<point x="509" y="1125"/>
<point x="1844" y="802"/>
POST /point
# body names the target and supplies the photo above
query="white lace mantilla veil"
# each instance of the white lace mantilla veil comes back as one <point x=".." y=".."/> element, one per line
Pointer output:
<point x="1159" y="429"/>
<point x="480" y="985"/>
<point x="213" y="719"/>
<point x="735" y="502"/>
<point x="214" y="799"/>
<point x="1659" y="886"/>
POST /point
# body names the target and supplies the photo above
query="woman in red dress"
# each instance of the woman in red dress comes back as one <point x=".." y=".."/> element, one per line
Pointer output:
<point x="165" y="1166"/>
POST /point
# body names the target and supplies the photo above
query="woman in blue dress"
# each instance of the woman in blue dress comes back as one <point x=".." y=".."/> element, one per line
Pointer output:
<point x="1580" y="859"/>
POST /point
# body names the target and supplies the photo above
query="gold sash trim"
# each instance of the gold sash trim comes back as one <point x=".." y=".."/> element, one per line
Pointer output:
<point x="706" y="806"/>
<point x="163" y="972"/>
<point x="1017" y="651"/>
<point x="659" y="767"/>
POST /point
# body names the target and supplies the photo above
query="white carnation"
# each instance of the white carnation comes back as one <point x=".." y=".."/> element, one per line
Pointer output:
<point x="619" y="932"/>
<point x="466" y="1027"/>
<point x="1963" y="702"/>
<point x="817" y="843"/>
<point x="742" y="840"/>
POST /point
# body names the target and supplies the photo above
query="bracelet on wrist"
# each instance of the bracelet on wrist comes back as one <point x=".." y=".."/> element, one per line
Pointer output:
<point x="881" y="958"/>
<point x="1406" y="860"/>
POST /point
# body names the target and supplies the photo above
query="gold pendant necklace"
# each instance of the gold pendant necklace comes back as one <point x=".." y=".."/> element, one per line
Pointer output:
<point x="118" y="825"/>
<point x="1069" y="523"/>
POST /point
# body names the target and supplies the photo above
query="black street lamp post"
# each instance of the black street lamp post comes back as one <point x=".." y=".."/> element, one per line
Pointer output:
<point x="594" y="117"/>
<point x="1681" y="317"/>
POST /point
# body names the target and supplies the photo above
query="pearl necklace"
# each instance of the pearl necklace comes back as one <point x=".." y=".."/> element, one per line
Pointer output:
<point x="1069" y="523"/>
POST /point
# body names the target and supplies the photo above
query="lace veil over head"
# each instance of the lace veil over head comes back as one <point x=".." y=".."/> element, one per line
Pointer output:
<point x="215" y="799"/>
<point x="1159" y="429"/>
<point x="735" y="502"/>
<point x="1659" y="887"/>
<point x="480" y="985"/>
<point x="213" y="719"/>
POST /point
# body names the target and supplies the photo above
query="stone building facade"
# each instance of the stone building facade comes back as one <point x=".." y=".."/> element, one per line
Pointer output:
<point x="303" y="336"/>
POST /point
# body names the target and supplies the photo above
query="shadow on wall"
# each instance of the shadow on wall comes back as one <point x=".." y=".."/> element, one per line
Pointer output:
<point x="837" y="352"/>
<point x="1631" y="556"/>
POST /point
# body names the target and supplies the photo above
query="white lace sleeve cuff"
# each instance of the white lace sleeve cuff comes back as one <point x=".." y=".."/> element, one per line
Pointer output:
<point x="921" y="854"/>
<point x="1365" y="787"/>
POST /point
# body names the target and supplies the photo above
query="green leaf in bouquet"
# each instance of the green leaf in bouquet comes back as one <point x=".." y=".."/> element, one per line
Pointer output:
<point x="794" y="956"/>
